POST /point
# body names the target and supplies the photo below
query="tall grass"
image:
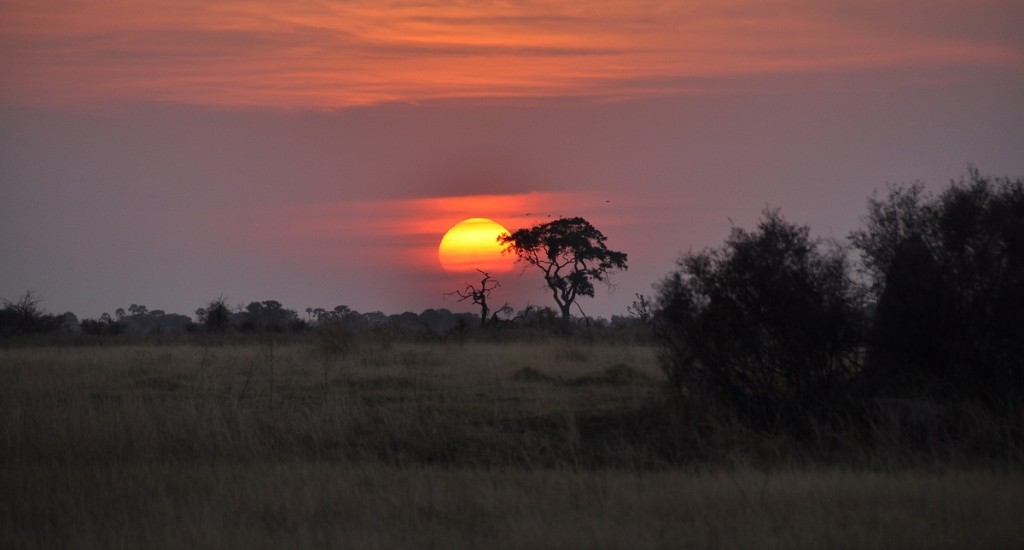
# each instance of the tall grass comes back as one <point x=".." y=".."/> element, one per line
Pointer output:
<point x="392" y="444"/>
<point x="320" y="504"/>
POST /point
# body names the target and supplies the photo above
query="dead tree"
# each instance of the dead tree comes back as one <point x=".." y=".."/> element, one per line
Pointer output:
<point x="478" y="294"/>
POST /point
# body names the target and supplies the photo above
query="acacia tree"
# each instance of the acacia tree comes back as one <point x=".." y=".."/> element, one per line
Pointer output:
<point x="570" y="252"/>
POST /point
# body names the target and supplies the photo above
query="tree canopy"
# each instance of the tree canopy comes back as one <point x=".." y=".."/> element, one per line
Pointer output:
<point x="570" y="252"/>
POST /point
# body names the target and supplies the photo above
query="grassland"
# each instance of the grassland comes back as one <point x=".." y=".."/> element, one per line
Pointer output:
<point x="528" y="444"/>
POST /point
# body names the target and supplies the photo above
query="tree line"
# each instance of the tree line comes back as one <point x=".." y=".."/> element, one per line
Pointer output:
<point x="25" y="317"/>
<point x="773" y="326"/>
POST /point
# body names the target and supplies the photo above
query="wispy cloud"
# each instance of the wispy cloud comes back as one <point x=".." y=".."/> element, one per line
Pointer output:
<point x="318" y="54"/>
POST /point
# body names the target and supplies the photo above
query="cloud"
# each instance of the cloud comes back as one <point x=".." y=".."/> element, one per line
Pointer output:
<point x="331" y="55"/>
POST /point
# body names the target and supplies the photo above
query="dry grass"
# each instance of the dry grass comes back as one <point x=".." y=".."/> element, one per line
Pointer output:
<point x="317" y="504"/>
<point x="506" y="445"/>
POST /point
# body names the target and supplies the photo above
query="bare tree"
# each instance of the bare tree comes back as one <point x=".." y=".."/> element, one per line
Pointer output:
<point x="26" y="307"/>
<point x="479" y="294"/>
<point x="641" y="308"/>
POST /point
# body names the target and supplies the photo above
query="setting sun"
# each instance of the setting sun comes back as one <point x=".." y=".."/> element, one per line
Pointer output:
<point x="473" y="244"/>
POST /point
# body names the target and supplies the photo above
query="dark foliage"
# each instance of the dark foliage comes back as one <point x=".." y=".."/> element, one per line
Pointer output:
<point x="103" y="327"/>
<point x="766" y="328"/>
<point x="570" y="252"/>
<point x="949" y="275"/>
<point x="267" y="316"/>
<point x="215" y="317"/>
<point x="24" y="316"/>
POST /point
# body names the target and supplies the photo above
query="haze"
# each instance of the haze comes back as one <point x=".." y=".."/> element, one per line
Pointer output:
<point x="315" y="152"/>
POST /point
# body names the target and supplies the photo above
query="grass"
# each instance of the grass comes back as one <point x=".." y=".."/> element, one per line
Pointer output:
<point x="320" y="504"/>
<point x="400" y="445"/>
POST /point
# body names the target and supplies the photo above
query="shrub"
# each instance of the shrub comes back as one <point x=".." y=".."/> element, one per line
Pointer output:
<point x="948" y="272"/>
<point x="24" y="316"/>
<point x="215" y="317"/>
<point x="767" y="327"/>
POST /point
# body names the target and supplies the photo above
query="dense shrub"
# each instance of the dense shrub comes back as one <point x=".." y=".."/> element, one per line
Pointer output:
<point x="948" y="273"/>
<point x="103" y="327"/>
<point x="766" y="328"/>
<point x="215" y="317"/>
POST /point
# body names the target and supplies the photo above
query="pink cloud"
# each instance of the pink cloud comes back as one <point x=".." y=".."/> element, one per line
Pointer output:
<point x="337" y="55"/>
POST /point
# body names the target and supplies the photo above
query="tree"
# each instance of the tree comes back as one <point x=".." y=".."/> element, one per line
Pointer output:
<point x="948" y="274"/>
<point x="26" y="307"/>
<point x="570" y="252"/>
<point x="215" y="317"/>
<point x="105" y="325"/>
<point x="641" y="308"/>
<point x="24" y="316"/>
<point x="766" y="326"/>
<point x="268" y="316"/>
<point x="479" y="295"/>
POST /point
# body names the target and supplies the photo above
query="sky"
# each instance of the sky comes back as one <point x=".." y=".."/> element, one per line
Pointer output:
<point x="315" y="152"/>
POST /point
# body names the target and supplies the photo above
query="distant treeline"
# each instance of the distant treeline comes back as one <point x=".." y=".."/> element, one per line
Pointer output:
<point x="774" y="327"/>
<point x="25" y="317"/>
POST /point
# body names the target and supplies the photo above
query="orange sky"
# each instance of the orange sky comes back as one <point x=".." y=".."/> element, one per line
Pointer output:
<point x="416" y="226"/>
<point x="315" y="152"/>
<point x="330" y="55"/>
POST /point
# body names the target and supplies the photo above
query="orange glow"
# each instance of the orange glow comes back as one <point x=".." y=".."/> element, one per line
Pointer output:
<point x="404" y="233"/>
<point x="473" y="244"/>
<point x="364" y="52"/>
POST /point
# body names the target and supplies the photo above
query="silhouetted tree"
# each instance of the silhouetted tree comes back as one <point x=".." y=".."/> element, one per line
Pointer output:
<point x="26" y="307"/>
<point x="24" y="316"/>
<point x="345" y="314"/>
<point x="268" y="315"/>
<point x="139" y="319"/>
<point x="570" y="252"/>
<point x="105" y="325"/>
<point x="641" y="308"/>
<point x="215" y="317"/>
<point x="536" y="316"/>
<point x="437" y="321"/>
<point x="339" y="314"/>
<point x="766" y="326"/>
<point x="948" y="273"/>
<point x="479" y="295"/>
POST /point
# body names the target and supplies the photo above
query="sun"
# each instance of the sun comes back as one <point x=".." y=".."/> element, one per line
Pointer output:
<point x="473" y="244"/>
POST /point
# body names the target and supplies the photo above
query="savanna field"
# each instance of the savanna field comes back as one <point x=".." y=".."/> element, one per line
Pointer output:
<point x="526" y="442"/>
<point x="511" y="274"/>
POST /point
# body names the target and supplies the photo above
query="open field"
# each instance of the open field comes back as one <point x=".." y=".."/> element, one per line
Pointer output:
<point x="383" y="445"/>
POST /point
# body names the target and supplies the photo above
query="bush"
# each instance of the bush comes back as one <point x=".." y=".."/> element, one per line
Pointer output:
<point x="103" y="327"/>
<point x="24" y="316"/>
<point x="215" y="317"/>
<point x="766" y="328"/>
<point x="948" y="272"/>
